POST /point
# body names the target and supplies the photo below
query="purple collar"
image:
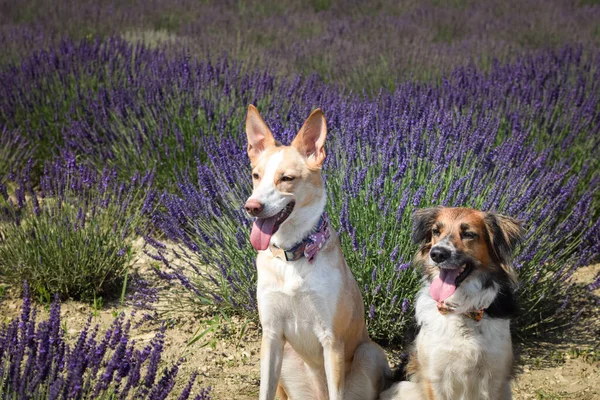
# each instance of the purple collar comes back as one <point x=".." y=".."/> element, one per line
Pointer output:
<point x="309" y="246"/>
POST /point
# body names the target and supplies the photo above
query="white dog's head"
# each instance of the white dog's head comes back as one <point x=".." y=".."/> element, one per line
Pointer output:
<point x="288" y="196"/>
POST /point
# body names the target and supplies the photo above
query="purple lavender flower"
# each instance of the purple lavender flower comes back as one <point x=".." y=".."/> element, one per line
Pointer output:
<point x="405" y="305"/>
<point x="506" y="138"/>
<point x="41" y="364"/>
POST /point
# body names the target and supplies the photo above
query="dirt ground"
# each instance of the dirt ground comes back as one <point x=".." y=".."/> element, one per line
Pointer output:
<point x="565" y="365"/>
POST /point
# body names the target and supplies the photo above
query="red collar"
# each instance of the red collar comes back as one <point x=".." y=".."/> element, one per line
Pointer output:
<point x="475" y="315"/>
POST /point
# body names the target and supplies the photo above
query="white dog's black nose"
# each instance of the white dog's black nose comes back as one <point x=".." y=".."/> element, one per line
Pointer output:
<point x="439" y="254"/>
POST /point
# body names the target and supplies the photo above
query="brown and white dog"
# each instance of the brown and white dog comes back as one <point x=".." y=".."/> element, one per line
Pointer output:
<point x="463" y="349"/>
<point x="315" y="343"/>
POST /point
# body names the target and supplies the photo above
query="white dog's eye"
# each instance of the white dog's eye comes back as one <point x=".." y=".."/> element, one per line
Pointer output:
<point x="255" y="175"/>
<point x="287" y="178"/>
<point x="435" y="231"/>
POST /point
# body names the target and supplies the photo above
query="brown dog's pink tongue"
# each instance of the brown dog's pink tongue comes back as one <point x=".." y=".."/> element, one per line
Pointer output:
<point x="262" y="230"/>
<point x="444" y="285"/>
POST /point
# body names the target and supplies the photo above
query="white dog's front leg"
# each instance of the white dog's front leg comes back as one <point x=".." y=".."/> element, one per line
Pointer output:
<point x="333" y="355"/>
<point x="271" y="356"/>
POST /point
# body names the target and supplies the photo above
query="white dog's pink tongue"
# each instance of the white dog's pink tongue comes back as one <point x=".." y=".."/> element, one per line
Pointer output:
<point x="262" y="230"/>
<point x="444" y="285"/>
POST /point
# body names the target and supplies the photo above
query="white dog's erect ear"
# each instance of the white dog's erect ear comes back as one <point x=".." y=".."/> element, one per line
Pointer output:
<point x="310" y="140"/>
<point x="258" y="133"/>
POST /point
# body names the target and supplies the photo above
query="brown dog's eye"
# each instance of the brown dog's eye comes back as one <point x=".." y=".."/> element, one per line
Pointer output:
<point x="435" y="231"/>
<point x="255" y="175"/>
<point x="468" y="235"/>
<point x="287" y="178"/>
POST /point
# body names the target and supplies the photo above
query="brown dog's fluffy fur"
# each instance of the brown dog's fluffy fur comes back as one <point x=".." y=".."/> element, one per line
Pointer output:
<point x="455" y="355"/>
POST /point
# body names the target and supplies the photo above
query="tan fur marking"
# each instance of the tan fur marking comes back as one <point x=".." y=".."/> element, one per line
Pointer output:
<point x="429" y="391"/>
<point x="510" y="227"/>
<point x="258" y="133"/>
<point x="339" y="372"/>
<point x="281" y="393"/>
<point x="310" y="140"/>
<point x="348" y="323"/>
<point x="305" y="179"/>
<point x="412" y="367"/>
<point x="261" y="162"/>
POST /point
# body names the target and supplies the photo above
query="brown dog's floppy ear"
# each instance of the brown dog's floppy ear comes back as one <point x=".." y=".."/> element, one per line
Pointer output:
<point x="310" y="140"/>
<point x="505" y="234"/>
<point x="258" y="133"/>
<point x="423" y="221"/>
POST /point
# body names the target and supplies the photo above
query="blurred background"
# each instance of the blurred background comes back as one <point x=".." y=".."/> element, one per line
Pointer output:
<point x="362" y="45"/>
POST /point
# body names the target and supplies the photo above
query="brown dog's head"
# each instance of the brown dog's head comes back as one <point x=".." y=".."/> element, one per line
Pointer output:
<point x="463" y="246"/>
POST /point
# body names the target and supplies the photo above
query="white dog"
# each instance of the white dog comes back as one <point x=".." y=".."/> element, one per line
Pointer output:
<point x="315" y="343"/>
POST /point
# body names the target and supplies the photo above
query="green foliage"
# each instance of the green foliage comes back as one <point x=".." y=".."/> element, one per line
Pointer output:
<point x="168" y="22"/>
<point x="583" y="3"/>
<point x="54" y="258"/>
<point x="321" y="5"/>
<point x="78" y="245"/>
<point x="544" y="395"/>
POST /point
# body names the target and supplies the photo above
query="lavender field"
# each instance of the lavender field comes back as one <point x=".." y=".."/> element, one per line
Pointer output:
<point x="122" y="138"/>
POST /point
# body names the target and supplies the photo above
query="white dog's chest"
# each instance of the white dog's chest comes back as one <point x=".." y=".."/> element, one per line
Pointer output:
<point x="299" y="318"/>
<point x="299" y="300"/>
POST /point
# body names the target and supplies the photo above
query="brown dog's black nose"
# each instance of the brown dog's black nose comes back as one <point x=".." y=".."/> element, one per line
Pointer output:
<point x="253" y="207"/>
<point x="439" y="254"/>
